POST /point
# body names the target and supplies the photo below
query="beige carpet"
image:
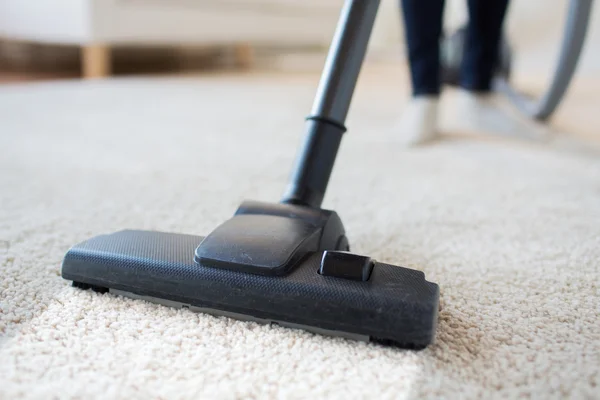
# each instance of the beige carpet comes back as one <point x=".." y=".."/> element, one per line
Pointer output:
<point x="509" y="228"/>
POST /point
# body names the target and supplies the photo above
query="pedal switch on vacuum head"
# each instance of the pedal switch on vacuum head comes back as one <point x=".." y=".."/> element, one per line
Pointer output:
<point x="341" y="264"/>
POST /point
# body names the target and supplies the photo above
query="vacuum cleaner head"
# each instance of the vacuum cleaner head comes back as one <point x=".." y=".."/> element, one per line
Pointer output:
<point x="287" y="263"/>
<point x="266" y="264"/>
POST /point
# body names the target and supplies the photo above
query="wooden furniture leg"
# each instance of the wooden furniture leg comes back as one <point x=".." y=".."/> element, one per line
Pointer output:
<point x="244" y="55"/>
<point x="96" y="61"/>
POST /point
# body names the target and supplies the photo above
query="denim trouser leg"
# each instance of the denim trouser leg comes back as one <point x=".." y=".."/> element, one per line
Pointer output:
<point x="423" y="29"/>
<point x="482" y="45"/>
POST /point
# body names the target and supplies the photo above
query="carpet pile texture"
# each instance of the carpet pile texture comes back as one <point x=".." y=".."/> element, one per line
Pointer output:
<point x="509" y="229"/>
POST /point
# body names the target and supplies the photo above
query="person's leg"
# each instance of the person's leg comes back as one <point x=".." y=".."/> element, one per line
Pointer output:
<point x="482" y="45"/>
<point x="475" y="109"/>
<point x="423" y="29"/>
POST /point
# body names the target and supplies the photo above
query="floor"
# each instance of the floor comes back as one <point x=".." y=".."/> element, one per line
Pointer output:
<point x="506" y="219"/>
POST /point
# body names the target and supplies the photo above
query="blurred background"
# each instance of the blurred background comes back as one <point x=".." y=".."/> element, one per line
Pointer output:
<point x="75" y="39"/>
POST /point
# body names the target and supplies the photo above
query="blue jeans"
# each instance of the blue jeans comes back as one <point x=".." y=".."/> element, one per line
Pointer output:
<point x="423" y="30"/>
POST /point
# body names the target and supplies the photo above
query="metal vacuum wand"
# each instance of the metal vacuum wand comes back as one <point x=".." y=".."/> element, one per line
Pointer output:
<point x="325" y="125"/>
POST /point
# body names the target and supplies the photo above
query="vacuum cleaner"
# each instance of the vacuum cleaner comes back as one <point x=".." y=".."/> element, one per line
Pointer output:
<point x="287" y="263"/>
<point x="575" y="32"/>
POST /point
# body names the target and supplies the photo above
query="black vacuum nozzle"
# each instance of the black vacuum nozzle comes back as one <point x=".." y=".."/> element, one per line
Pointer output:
<point x="286" y="263"/>
<point x="268" y="263"/>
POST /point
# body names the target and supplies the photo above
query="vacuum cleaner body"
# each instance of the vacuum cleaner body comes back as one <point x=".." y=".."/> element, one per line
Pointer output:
<point x="287" y="263"/>
<point x="452" y="50"/>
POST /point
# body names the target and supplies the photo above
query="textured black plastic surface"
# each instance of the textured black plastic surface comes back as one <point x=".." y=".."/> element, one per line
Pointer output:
<point x="341" y="264"/>
<point x="395" y="306"/>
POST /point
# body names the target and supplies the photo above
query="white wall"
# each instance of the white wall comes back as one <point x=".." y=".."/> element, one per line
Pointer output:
<point x="62" y="21"/>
